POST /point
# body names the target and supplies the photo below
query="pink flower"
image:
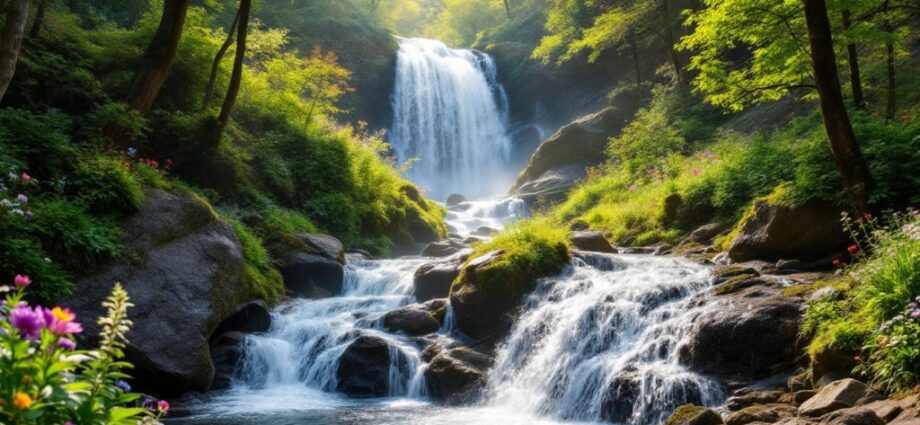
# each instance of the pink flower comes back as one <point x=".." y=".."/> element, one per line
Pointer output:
<point x="163" y="406"/>
<point x="852" y="249"/>
<point x="67" y="344"/>
<point x="22" y="281"/>
<point x="60" y="321"/>
<point x="28" y="321"/>
<point x="26" y="177"/>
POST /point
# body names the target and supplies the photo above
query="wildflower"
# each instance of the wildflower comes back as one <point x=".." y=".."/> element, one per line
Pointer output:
<point x="148" y="402"/>
<point x="28" y="321"/>
<point x="67" y="344"/>
<point x="124" y="386"/>
<point x="852" y="249"/>
<point x="60" y="321"/>
<point x="12" y="176"/>
<point x="163" y="406"/>
<point x="695" y="172"/>
<point x="132" y="152"/>
<point x="22" y="400"/>
<point x="22" y="198"/>
<point x="22" y="281"/>
<point x="26" y="177"/>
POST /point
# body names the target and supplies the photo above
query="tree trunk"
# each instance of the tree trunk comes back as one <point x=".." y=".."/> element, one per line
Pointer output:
<point x="236" y="77"/>
<point x="853" y="58"/>
<point x="508" y="8"/>
<point x="159" y="57"/>
<point x="849" y="160"/>
<point x="17" y="13"/>
<point x="634" y="50"/>
<point x="215" y="65"/>
<point x="39" y="18"/>
<point x="670" y="39"/>
<point x="890" y="106"/>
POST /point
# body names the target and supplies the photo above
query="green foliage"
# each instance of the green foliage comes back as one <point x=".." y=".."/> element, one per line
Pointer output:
<point x="259" y="276"/>
<point x="105" y="186"/>
<point x="531" y="249"/>
<point x="647" y="141"/>
<point x="38" y="140"/>
<point x="47" y="381"/>
<point x="460" y="22"/>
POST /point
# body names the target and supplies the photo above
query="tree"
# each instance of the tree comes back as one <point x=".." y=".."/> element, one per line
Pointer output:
<point x="236" y="76"/>
<point x="159" y="56"/>
<point x="39" y="18"/>
<point x="853" y="60"/>
<point x="507" y="8"/>
<point x="17" y="13"/>
<point x="215" y="65"/>
<point x="850" y="163"/>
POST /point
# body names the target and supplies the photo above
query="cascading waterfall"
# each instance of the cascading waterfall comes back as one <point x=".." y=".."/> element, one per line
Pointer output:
<point x="596" y="345"/>
<point x="450" y="114"/>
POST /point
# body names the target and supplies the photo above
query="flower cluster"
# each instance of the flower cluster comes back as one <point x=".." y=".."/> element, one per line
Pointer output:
<point x="48" y="380"/>
<point x="911" y="314"/>
<point x="12" y="198"/>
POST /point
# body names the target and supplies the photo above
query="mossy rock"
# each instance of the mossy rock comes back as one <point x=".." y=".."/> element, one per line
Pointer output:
<point x="690" y="414"/>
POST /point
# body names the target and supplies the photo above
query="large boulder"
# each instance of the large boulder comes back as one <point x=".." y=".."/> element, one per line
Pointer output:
<point x="442" y="248"/>
<point x="363" y="369"/>
<point x="553" y="185"/>
<point x="455" y="376"/>
<point x="752" y="334"/>
<point x="312" y="276"/>
<point x="227" y="353"/>
<point x="838" y="395"/>
<point x="690" y="414"/>
<point x="455" y="199"/>
<point x="580" y="144"/>
<point x="250" y="317"/>
<point x="761" y="413"/>
<point x="183" y="269"/>
<point x="433" y="279"/>
<point x="589" y="240"/>
<point x="852" y="416"/>
<point x="412" y="320"/>
<point x="323" y="245"/>
<point x="774" y="232"/>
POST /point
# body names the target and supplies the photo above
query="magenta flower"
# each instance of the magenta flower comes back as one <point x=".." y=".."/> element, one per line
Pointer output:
<point x="26" y="177"/>
<point x="28" y="321"/>
<point x="163" y="406"/>
<point x="22" y="281"/>
<point x="60" y="321"/>
<point x="67" y="344"/>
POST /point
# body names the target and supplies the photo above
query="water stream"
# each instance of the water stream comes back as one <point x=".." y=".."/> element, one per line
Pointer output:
<point x="597" y="343"/>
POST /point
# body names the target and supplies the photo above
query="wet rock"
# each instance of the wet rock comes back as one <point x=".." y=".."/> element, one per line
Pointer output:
<point x="442" y="248"/>
<point x="413" y="320"/>
<point x="767" y="413"/>
<point x="838" y="395"/>
<point x="552" y="186"/>
<point x="742" y="282"/>
<point x="588" y="240"/>
<point x="722" y="273"/>
<point x="471" y="240"/>
<point x="485" y="231"/>
<point x="456" y="376"/>
<point x="183" y="268"/>
<point x="638" y="250"/>
<point x="312" y="276"/>
<point x="433" y="279"/>
<point x="775" y="232"/>
<point x="620" y="397"/>
<point x="706" y="233"/>
<point x="455" y="199"/>
<point x="227" y="355"/>
<point x="323" y="245"/>
<point x="690" y="414"/>
<point x="601" y="262"/>
<point x="364" y="368"/>
<point x="250" y="317"/>
<point x="788" y="266"/>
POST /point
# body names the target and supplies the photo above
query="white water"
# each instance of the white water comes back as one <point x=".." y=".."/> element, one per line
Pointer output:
<point x="450" y="114"/>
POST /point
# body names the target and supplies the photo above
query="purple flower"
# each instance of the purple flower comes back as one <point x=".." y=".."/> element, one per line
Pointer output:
<point x="148" y="402"/>
<point x="123" y="386"/>
<point x="915" y="314"/>
<point x="67" y="344"/>
<point x="28" y="321"/>
<point x="22" y="198"/>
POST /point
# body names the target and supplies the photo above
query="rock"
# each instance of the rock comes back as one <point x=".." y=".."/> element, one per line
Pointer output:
<point x="749" y="338"/>
<point x="583" y="142"/>
<point x="471" y="240"/>
<point x="830" y="364"/>
<point x="183" y="269"/>
<point x="455" y="199"/>
<point x="312" y="276"/>
<point x="706" y="233"/>
<point x="802" y="396"/>
<point x="433" y="280"/>
<point x="689" y="414"/>
<point x="886" y="409"/>
<point x="601" y="262"/>
<point x="589" y="240"/>
<point x="457" y="375"/>
<point x="756" y="397"/>
<point x="775" y="232"/>
<point x="726" y="272"/>
<point x="442" y="248"/>
<point x="250" y="317"/>
<point x="671" y="207"/>
<point x="485" y="231"/>
<point x="853" y="416"/>
<point x="768" y="413"/>
<point x="411" y="320"/>
<point x="552" y="186"/>
<point x="364" y="368"/>
<point x="788" y="266"/>
<point x="226" y="355"/>
<point x="838" y="395"/>
<point x="739" y="283"/>
<point x="578" y="225"/>
<point x="638" y="250"/>
<point x="324" y="246"/>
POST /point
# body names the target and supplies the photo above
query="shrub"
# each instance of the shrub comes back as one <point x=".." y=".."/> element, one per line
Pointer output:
<point x="37" y="141"/>
<point x="48" y="380"/>
<point x="106" y="186"/>
<point x="262" y="280"/>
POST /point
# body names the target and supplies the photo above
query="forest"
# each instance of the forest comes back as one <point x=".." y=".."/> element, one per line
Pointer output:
<point x="342" y="212"/>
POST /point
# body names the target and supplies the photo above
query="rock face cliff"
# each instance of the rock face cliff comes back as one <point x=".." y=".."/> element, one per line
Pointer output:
<point x="183" y="269"/>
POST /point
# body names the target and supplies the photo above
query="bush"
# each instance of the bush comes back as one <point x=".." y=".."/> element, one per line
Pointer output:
<point x="106" y="186"/>
<point x="47" y="380"/>
<point x="259" y="276"/>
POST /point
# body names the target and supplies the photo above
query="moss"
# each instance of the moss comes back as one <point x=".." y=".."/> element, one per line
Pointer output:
<point x="693" y="414"/>
<point x="530" y="250"/>
<point x="261" y="279"/>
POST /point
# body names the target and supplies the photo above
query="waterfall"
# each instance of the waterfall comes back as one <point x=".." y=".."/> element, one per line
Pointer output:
<point x="596" y="345"/>
<point x="450" y="114"/>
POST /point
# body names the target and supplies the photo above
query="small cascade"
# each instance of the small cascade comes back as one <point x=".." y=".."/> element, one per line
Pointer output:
<point x="450" y="113"/>
<point x="596" y="345"/>
<point x="469" y="216"/>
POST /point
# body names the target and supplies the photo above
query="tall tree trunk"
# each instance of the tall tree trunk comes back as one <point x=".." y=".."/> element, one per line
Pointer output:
<point x="507" y="8"/>
<point x="159" y="57"/>
<point x="236" y="77"/>
<point x="39" y="19"/>
<point x="850" y="163"/>
<point x="670" y="39"/>
<point x="853" y="58"/>
<point x="634" y="51"/>
<point x="215" y="65"/>
<point x="890" y="106"/>
<point x="17" y="13"/>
